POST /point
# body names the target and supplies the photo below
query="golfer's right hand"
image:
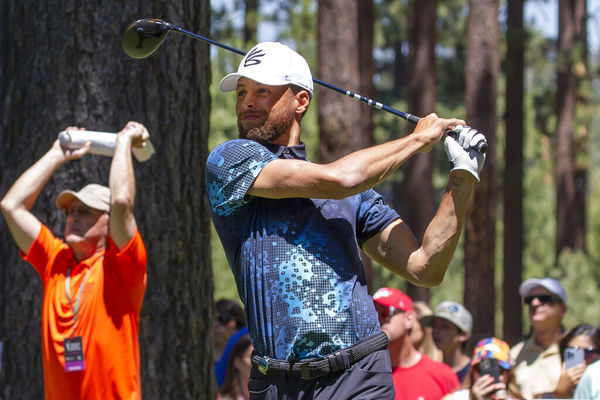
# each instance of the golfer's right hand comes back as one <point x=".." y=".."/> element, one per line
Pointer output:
<point x="431" y="129"/>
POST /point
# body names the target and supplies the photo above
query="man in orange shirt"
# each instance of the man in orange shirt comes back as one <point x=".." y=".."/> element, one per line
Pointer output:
<point x="94" y="281"/>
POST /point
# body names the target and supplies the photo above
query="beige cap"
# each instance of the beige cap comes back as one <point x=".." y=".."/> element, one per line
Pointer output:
<point x="93" y="195"/>
<point x="454" y="312"/>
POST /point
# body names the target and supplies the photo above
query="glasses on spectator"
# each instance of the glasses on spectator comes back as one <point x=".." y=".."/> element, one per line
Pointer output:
<point x="388" y="312"/>
<point x="223" y="318"/>
<point x="543" y="298"/>
<point x="591" y="353"/>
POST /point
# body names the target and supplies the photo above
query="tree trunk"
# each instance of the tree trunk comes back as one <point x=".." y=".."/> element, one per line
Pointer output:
<point x="365" y="22"/>
<point x="338" y="56"/>
<point x="250" y="23"/>
<point x="77" y="74"/>
<point x="482" y="68"/>
<point x="581" y="142"/>
<point x="419" y="206"/>
<point x="565" y="114"/>
<point x="513" y="173"/>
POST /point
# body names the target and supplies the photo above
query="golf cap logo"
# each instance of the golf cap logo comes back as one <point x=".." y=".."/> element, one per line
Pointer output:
<point x="253" y="58"/>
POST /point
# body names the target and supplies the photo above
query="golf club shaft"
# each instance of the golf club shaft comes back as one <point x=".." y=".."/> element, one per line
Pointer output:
<point x="156" y="29"/>
<point x="372" y="103"/>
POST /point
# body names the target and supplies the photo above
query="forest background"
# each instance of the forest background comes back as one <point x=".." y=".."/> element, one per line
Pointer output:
<point x="534" y="95"/>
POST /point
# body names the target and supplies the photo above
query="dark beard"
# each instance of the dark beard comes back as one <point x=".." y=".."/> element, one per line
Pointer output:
<point x="270" y="130"/>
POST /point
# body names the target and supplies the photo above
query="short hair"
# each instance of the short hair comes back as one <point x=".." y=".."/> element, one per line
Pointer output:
<point x="228" y="309"/>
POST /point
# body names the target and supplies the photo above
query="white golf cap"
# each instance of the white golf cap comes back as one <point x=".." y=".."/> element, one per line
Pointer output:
<point x="93" y="195"/>
<point x="551" y="285"/>
<point x="273" y="64"/>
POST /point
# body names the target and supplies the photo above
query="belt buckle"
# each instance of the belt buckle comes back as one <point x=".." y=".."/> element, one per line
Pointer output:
<point x="305" y="372"/>
<point x="263" y="365"/>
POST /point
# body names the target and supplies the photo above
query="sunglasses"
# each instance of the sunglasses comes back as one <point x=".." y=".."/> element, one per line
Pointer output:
<point x="542" y="298"/>
<point x="386" y="313"/>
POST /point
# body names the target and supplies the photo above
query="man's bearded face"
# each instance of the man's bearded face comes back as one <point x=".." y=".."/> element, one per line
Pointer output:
<point x="276" y="123"/>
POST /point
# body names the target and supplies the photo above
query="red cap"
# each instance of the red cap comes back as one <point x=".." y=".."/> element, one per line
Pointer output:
<point x="389" y="297"/>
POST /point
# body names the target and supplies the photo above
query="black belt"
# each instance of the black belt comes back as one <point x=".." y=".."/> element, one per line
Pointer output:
<point x="316" y="367"/>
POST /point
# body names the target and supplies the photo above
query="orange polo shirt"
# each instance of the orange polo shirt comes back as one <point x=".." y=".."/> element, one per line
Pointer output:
<point x="107" y="319"/>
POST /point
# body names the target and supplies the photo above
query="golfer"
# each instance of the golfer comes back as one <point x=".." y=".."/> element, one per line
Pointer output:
<point x="292" y="230"/>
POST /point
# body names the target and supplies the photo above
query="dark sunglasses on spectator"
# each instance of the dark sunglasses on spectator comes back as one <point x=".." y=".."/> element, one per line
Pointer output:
<point x="387" y="313"/>
<point x="588" y="351"/>
<point x="223" y="318"/>
<point x="543" y="298"/>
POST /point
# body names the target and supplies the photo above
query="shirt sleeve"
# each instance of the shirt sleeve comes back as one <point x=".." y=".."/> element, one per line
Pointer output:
<point x="130" y="261"/>
<point x="231" y="169"/>
<point x="42" y="250"/>
<point x="374" y="216"/>
<point x="584" y="387"/>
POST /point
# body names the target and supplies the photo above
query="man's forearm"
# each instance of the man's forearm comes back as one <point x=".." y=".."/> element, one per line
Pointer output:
<point x="367" y="168"/>
<point x="122" y="187"/>
<point x="121" y="179"/>
<point x="443" y="232"/>
<point x="28" y="186"/>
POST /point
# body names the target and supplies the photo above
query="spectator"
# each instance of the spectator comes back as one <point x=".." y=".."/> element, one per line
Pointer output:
<point x="589" y="384"/>
<point x="421" y="336"/>
<point x="415" y="375"/>
<point x="585" y="338"/>
<point x="537" y="359"/>
<point x="239" y="364"/>
<point x="94" y="280"/>
<point x="229" y="325"/>
<point x="452" y="325"/>
<point x="482" y="384"/>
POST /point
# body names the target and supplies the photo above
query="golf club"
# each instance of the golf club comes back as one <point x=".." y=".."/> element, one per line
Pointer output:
<point x="144" y="36"/>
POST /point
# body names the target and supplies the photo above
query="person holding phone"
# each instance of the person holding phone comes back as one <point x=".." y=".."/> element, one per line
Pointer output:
<point x="579" y="348"/>
<point x="490" y="375"/>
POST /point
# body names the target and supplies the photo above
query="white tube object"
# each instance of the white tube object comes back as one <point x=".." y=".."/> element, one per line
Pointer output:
<point x="103" y="143"/>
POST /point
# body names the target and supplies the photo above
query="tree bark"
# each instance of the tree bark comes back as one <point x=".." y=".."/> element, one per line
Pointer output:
<point x="482" y="69"/>
<point x="418" y="202"/>
<point x="366" y="32"/>
<point x="68" y="68"/>
<point x="581" y="142"/>
<point x="513" y="173"/>
<point x="565" y="114"/>
<point x="338" y="57"/>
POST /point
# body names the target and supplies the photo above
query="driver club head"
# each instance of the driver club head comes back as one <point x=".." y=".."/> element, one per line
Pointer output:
<point x="144" y="36"/>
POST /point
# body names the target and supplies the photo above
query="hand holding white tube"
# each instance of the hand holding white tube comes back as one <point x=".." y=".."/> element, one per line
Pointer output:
<point x="102" y="143"/>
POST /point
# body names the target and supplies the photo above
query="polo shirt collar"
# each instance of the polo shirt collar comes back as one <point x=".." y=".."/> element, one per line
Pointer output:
<point x="298" y="151"/>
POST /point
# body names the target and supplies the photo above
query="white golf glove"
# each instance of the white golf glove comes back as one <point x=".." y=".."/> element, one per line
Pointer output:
<point x="460" y="147"/>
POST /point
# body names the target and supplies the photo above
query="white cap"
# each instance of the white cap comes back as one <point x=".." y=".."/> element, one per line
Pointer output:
<point x="273" y="64"/>
<point x="551" y="285"/>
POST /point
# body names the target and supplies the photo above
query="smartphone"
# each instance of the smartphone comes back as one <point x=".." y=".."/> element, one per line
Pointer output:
<point x="490" y="366"/>
<point x="574" y="356"/>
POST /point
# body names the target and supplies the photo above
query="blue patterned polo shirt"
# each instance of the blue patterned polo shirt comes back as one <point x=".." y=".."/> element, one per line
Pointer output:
<point x="296" y="261"/>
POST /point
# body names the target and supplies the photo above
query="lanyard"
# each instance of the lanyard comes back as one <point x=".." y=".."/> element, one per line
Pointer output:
<point x="68" y="291"/>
